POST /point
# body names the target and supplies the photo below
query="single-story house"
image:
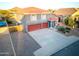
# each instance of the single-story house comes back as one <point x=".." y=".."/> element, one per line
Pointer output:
<point x="75" y="17"/>
<point x="63" y="13"/>
<point x="17" y="16"/>
<point x="17" y="13"/>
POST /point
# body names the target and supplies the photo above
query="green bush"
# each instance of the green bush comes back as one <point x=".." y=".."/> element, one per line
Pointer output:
<point x="9" y="22"/>
<point x="63" y="29"/>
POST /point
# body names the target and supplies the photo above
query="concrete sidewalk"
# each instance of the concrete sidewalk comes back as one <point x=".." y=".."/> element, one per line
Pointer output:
<point x="5" y="45"/>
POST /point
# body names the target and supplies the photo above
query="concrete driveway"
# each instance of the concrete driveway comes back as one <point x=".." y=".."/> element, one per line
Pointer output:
<point x="22" y="44"/>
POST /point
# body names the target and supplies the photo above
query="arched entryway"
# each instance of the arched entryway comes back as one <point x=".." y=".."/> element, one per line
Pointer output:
<point x="52" y="22"/>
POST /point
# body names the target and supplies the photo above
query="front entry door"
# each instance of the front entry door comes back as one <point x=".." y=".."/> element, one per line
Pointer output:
<point x="51" y="24"/>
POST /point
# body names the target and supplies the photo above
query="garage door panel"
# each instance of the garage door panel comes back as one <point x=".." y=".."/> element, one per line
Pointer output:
<point x="34" y="27"/>
<point x="45" y="25"/>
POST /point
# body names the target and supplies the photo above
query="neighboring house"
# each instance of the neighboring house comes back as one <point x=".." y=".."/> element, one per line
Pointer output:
<point x="17" y="16"/>
<point x="9" y="25"/>
<point x="35" y="18"/>
<point x="63" y="13"/>
<point x="75" y="17"/>
<point x="17" y="13"/>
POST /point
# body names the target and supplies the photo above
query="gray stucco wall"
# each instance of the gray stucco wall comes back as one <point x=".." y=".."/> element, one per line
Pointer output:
<point x="48" y="15"/>
<point x="38" y="16"/>
<point x="26" y="20"/>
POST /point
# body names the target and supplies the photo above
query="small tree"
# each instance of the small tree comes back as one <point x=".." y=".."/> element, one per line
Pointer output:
<point x="6" y="16"/>
<point x="71" y="22"/>
<point x="66" y="21"/>
<point x="51" y="11"/>
<point x="6" y="13"/>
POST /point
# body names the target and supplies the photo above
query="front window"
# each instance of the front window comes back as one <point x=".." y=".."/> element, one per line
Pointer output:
<point x="33" y="17"/>
<point x="43" y="17"/>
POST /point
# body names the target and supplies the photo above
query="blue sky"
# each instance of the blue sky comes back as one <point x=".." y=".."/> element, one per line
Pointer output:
<point x="48" y="4"/>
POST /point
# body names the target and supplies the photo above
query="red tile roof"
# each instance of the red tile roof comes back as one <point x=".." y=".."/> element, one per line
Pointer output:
<point x="17" y="10"/>
<point x="34" y="10"/>
<point x="65" y="11"/>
